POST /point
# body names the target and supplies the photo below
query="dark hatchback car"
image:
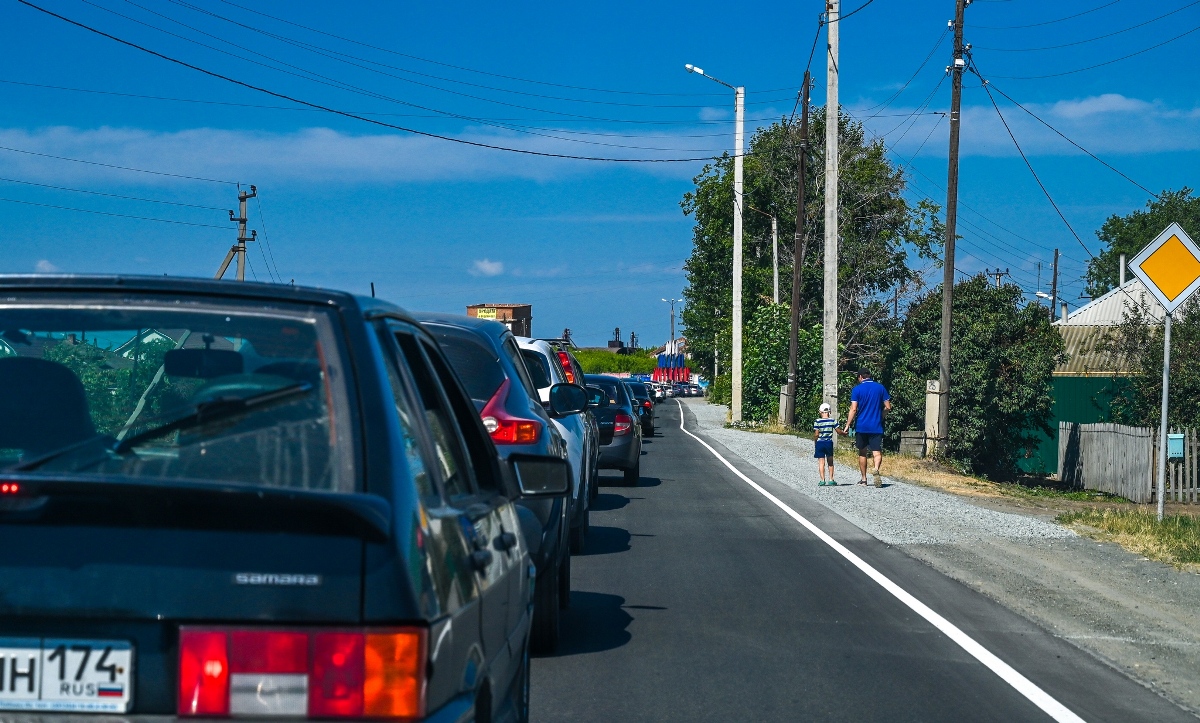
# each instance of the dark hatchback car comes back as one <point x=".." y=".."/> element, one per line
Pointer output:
<point x="620" y="432"/>
<point x="645" y="406"/>
<point x="486" y="357"/>
<point x="245" y="500"/>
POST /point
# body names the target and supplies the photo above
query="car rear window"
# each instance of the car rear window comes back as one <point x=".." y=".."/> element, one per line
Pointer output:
<point x="477" y="365"/>
<point x="616" y="395"/>
<point x="539" y="368"/>
<point x="639" y="389"/>
<point x="152" y="389"/>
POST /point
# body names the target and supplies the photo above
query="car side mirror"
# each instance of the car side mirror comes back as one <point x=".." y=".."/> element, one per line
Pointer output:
<point x="597" y="397"/>
<point x="566" y="399"/>
<point x="539" y="477"/>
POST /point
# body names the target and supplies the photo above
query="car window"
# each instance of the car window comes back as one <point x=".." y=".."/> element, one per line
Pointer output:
<point x="538" y="366"/>
<point x="476" y="364"/>
<point x="451" y="458"/>
<point x="514" y="354"/>
<point x="639" y="389"/>
<point x="415" y="453"/>
<point x="616" y="394"/>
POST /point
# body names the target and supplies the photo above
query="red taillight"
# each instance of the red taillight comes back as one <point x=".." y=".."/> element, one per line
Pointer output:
<point x="622" y="423"/>
<point x="565" y="360"/>
<point x="647" y="404"/>
<point x="9" y="488"/>
<point x="321" y="674"/>
<point x="505" y="428"/>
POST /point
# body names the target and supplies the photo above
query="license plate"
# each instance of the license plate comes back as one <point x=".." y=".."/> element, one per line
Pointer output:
<point x="58" y="674"/>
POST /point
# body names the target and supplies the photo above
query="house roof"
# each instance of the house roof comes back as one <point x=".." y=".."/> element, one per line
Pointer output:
<point x="1108" y="310"/>
<point x="1084" y="359"/>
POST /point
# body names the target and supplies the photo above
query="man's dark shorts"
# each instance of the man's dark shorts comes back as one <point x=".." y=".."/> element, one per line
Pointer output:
<point x="865" y="441"/>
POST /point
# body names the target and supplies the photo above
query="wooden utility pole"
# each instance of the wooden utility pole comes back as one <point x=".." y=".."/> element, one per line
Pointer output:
<point x="1054" y="285"/>
<point x="239" y="249"/>
<point x="829" y="316"/>
<point x="956" y="73"/>
<point x="799" y="245"/>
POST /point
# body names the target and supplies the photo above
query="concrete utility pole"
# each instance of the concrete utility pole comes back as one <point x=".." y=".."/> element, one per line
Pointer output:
<point x="998" y="274"/>
<point x="1122" y="271"/>
<point x="829" y="336"/>
<point x="239" y="249"/>
<point x="956" y="71"/>
<point x="1054" y="285"/>
<point x="739" y="113"/>
<point x="774" y="250"/>
<point x="787" y="413"/>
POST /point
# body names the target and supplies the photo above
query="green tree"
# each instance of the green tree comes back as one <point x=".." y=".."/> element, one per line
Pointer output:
<point x="600" y="361"/>
<point x="878" y="229"/>
<point x="1003" y="352"/>
<point x="1129" y="234"/>
<point x="766" y="361"/>
<point x="1137" y="346"/>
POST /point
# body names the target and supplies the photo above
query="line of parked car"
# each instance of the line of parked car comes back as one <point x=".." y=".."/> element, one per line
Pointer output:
<point x="245" y="500"/>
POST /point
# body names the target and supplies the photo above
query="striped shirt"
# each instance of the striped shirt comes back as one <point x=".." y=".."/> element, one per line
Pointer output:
<point x="824" y="429"/>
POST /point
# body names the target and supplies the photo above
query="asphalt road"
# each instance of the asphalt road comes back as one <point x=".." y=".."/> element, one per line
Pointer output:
<point x="699" y="599"/>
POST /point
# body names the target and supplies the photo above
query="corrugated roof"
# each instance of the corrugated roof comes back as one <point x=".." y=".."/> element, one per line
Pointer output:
<point x="1084" y="359"/>
<point x="1109" y="309"/>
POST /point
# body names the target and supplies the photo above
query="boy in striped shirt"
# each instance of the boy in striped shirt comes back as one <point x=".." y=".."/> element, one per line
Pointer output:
<point x="823" y="429"/>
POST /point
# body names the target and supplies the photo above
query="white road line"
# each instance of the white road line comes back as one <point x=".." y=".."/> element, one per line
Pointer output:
<point x="1023" y="685"/>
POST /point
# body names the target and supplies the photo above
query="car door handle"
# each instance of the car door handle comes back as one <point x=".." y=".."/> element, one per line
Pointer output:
<point x="480" y="559"/>
<point x="505" y="541"/>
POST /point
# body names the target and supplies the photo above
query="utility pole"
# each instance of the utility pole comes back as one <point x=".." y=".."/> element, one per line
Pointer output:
<point x="239" y="249"/>
<point x="829" y="336"/>
<point x="1054" y="285"/>
<point x="956" y="71"/>
<point x="774" y="250"/>
<point x="672" y="302"/>
<point x="799" y="246"/>
<point x="998" y="274"/>
<point x="738" y="137"/>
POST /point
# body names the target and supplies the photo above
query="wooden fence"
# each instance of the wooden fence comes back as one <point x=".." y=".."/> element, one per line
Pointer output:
<point x="1122" y="460"/>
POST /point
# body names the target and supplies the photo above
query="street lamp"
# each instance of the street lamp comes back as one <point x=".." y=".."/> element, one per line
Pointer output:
<point x="671" y="343"/>
<point x="739" y="112"/>
<point x="774" y="251"/>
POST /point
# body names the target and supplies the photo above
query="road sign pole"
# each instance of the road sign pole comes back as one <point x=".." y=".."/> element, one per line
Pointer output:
<point x="1162" y="427"/>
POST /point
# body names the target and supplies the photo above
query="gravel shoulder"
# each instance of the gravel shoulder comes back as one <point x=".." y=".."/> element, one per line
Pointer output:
<point x="1137" y="615"/>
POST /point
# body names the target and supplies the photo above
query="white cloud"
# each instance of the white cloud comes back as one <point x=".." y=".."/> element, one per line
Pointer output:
<point x="486" y="267"/>
<point x="45" y="267"/>
<point x="322" y="155"/>
<point x="1108" y="124"/>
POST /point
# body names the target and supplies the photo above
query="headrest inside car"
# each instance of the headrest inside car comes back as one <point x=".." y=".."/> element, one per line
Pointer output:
<point x="203" y="363"/>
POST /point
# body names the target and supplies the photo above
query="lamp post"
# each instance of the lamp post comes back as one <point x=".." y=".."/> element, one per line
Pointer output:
<point x="671" y="341"/>
<point x="774" y="252"/>
<point x="739" y="112"/>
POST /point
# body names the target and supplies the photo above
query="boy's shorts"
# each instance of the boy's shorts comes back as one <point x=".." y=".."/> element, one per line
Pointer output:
<point x="824" y="449"/>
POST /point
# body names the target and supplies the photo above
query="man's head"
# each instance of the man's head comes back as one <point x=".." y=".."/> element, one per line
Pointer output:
<point x="864" y="374"/>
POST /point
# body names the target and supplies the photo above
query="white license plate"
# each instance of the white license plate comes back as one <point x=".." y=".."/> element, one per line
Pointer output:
<point x="66" y="675"/>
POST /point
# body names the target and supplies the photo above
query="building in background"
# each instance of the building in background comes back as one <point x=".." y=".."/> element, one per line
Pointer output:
<point x="517" y="317"/>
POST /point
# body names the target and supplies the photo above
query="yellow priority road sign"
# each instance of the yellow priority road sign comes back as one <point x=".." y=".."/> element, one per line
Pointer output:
<point x="1170" y="267"/>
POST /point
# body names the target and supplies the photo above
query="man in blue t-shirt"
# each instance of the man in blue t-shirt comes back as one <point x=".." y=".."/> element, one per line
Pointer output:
<point x="868" y="402"/>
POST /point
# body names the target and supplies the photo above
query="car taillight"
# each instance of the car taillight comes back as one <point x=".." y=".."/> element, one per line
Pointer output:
<point x="319" y="674"/>
<point x="505" y="428"/>
<point x="9" y="488"/>
<point x="565" y="360"/>
<point x="622" y="423"/>
<point x="647" y="404"/>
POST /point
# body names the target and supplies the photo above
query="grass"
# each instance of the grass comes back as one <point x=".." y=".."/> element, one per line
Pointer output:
<point x="1175" y="540"/>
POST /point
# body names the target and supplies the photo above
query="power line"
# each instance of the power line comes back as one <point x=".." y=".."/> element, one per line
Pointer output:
<point x="117" y="215"/>
<point x="110" y="195"/>
<point x="1099" y="65"/>
<point x="894" y="96"/>
<point x="1047" y="22"/>
<point x="840" y="17"/>
<point x="263" y="222"/>
<point x="119" y="168"/>
<point x="1091" y="40"/>
<point x="346" y="114"/>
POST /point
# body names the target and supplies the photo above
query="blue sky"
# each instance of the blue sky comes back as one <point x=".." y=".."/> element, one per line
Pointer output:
<point x="438" y="225"/>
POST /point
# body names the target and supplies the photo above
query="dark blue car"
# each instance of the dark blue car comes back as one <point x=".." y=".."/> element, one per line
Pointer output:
<point x="243" y="500"/>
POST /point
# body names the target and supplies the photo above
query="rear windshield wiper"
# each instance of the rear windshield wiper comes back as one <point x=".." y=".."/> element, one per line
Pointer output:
<point x="215" y="410"/>
<point x="199" y="414"/>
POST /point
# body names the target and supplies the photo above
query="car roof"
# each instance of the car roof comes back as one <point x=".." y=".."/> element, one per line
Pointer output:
<point x="485" y="327"/>
<point x="540" y="344"/>
<point x="197" y="287"/>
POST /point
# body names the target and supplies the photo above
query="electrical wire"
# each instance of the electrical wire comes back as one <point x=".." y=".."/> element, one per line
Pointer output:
<point x="840" y="18"/>
<point x="1091" y="40"/>
<point x="1068" y="140"/>
<point x="117" y="215"/>
<point x="347" y="114"/>
<point x="110" y="195"/>
<point x="120" y="168"/>
<point x="1099" y="65"/>
<point x="883" y="106"/>
<point x="266" y="237"/>
<point x="1047" y="22"/>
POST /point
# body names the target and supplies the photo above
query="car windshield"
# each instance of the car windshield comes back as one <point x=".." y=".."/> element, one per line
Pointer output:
<point x="539" y="368"/>
<point x="133" y="389"/>
<point x="477" y="366"/>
